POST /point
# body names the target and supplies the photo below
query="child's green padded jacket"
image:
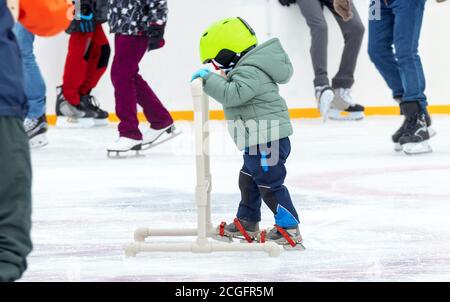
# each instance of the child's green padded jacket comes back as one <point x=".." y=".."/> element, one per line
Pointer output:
<point x="254" y="109"/>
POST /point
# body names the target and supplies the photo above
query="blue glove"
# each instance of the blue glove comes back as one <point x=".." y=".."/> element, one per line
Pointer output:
<point x="200" y="74"/>
<point x="85" y="19"/>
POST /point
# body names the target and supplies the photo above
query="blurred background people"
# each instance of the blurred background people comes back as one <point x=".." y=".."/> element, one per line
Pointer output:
<point x="334" y="99"/>
<point x="15" y="176"/>
<point x="86" y="62"/>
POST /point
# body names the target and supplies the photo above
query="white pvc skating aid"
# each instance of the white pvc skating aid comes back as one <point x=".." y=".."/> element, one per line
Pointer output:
<point x="205" y="230"/>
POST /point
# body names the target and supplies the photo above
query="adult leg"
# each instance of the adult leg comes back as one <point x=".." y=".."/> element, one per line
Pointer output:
<point x="381" y="51"/>
<point x="97" y="58"/>
<point x="155" y="112"/>
<point x="129" y="51"/>
<point x="407" y="28"/>
<point x="76" y="66"/>
<point x="353" y="32"/>
<point x="35" y="89"/>
<point x="312" y="10"/>
<point x="15" y="199"/>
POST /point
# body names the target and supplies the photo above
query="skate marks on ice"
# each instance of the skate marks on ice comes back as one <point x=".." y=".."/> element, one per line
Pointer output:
<point x="346" y="241"/>
<point x="365" y="182"/>
<point x="358" y="223"/>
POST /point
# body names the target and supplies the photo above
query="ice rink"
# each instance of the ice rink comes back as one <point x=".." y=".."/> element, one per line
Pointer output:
<point x="368" y="213"/>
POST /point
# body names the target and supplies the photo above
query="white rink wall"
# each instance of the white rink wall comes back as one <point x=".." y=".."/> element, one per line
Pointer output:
<point x="169" y="70"/>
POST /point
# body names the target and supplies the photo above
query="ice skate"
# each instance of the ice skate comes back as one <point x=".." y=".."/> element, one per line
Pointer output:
<point x="101" y="118"/>
<point x="415" y="137"/>
<point x="124" y="147"/>
<point x="324" y="97"/>
<point x="70" y="116"/>
<point x="153" y="137"/>
<point x="289" y="238"/>
<point x="343" y="108"/>
<point x="36" y="130"/>
<point x="399" y="133"/>
<point x="246" y="231"/>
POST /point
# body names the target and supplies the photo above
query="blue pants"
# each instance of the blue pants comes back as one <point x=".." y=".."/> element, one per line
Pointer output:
<point x="34" y="83"/>
<point x="399" y="29"/>
<point x="257" y="181"/>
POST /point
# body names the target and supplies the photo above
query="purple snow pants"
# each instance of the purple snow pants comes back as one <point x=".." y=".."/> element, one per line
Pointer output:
<point x="131" y="89"/>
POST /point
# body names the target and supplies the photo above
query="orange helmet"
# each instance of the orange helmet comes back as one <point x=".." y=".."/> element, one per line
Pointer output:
<point x="45" y="17"/>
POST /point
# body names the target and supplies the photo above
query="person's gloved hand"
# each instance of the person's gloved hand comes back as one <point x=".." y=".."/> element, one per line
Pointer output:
<point x="156" y="37"/>
<point x="200" y="74"/>
<point x="344" y="9"/>
<point x="287" y="2"/>
<point x="85" y="19"/>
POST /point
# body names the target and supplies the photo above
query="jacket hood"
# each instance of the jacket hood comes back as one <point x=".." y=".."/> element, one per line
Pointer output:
<point x="272" y="59"/>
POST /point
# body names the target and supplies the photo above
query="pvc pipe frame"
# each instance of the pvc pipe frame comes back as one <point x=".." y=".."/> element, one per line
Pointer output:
<point x="204" y="228"/>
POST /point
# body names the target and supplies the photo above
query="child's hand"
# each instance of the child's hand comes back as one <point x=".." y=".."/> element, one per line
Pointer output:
<point x="200" y="74"/>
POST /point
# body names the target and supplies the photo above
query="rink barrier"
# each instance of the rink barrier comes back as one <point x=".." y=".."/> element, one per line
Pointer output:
<point x="295" y="113"/>
<point x="205" y="229"/>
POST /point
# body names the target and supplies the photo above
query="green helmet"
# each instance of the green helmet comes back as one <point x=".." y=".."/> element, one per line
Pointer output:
<point x="232" y="34"/>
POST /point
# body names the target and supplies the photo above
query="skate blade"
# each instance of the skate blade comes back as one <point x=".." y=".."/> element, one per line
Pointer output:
<point x="432" y="132"/>
<point x="64" y="122"/>
<point x="338" y="115"/>
<point x="101" y="122"/>
<point x="133" y="153"/>
<point x="326" y="99"/>
<point x="222" y="238"/>
<point x="161" y="140"/>
<point x="124" y="155"/>
<point x="398" y="147"/>
<point x="297" y="247"/>
<point x="417" y="148"/>
<point x="38" y="141"/>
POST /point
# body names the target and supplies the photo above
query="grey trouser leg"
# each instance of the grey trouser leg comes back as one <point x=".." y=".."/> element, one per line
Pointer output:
<point x="312" y="10"/>
<point x="353" y="32"/>
<point x="15" y="199"/>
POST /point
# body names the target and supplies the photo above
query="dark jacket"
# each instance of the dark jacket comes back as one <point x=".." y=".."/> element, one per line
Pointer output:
<point x="138" y="17"/>
<point x="12" y="95"/>
<point x="100" y="10"/>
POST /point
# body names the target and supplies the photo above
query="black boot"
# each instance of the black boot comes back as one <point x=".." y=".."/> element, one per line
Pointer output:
<point x="399" y="133"/>
<point x="92" y="104"/>
<point x="415" y="136"/>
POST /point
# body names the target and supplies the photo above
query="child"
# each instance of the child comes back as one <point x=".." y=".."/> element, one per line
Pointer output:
<point x="86" y="62"/>
<point x="260" y="124"/>
<point x="139" y="26"/>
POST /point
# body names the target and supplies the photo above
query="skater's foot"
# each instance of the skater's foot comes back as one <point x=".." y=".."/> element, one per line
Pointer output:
<point x="343" y="108"/>
<point x="90" y="102"/>
<point x="240" y="228"/>
<point x="415" y="137"/>
<point x="152" y="135"/>
<point x="124" y="145"/>
<point x="397" y="135"/>
<point x="73" y="116"/>
<point x="324" y="97"/>
<point x="289" y="237"/>
<point x="36" y="130"/>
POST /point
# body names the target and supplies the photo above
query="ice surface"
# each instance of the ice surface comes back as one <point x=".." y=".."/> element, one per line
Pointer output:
<point x="368" y="213"/>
